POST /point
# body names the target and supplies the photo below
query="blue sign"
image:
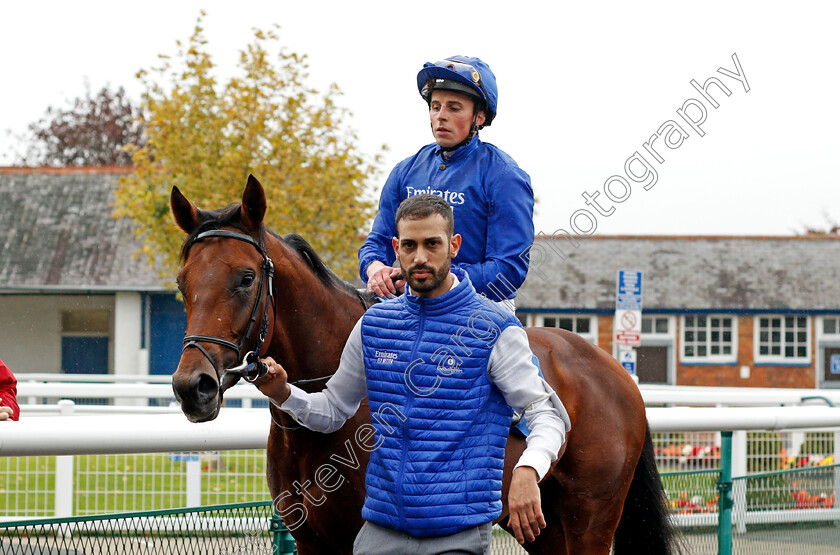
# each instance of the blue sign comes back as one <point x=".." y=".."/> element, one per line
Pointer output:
<point x="835" y="364"/>
<point x="629" y="294"/>
<point x="627" y="358"/>
<point x="183" y="457"/>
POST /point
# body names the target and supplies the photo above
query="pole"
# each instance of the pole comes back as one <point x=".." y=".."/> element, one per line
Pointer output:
<point x="725" y="495"/>
<point x="282" y="543"/>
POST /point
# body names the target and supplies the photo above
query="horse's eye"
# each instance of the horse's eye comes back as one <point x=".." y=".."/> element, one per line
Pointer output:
<point x="247" y="280"/>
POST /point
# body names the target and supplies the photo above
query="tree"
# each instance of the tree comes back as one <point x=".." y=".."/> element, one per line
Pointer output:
<point x="831" y="229"/>
<point x="206" y="138"/>
<point x="92" y="132"/>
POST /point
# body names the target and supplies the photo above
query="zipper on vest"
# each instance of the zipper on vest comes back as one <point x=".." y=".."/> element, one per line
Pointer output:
<point x="408" y="403"/>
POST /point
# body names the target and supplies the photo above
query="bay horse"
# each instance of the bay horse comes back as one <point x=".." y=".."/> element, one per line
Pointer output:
<point x="246" y="288"/>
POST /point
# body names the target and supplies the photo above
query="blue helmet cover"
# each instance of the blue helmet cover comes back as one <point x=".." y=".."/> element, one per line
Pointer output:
<point x="462" y="75"/>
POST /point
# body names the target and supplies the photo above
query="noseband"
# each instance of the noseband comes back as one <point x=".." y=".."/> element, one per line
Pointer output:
<point x="266" y="277"/>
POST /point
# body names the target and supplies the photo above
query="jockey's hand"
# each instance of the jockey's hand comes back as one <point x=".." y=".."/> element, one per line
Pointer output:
<point x="526" y="517"/>
<point x="5" y="413"/>
<point x="381" y="280"/>
<point x="274" y="385"/>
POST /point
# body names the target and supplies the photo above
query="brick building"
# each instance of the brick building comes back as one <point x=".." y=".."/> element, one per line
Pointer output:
<point x="718" y="311"/>
<point x="75" y="297"/>
<point x="729" y="311"/>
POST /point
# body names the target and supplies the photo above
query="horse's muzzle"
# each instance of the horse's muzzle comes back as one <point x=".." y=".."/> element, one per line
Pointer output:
<point x="198" y="394"/>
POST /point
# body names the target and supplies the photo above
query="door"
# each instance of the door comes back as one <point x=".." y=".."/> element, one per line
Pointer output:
<point x="168" y="324"/>
<point x="831" y="367"/>
<point x="652" y="364"/>
<point x="84" y="354"/>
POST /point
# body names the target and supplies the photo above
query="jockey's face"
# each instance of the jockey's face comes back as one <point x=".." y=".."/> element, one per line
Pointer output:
<point x="425" y="250"/>
<point x="451" y="115"/>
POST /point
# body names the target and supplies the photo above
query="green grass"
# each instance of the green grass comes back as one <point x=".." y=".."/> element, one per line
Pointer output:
<point x="110" y="483"/>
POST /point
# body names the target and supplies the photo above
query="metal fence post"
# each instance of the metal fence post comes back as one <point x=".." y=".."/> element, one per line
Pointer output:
<point x="724" y="495"/>
<point x="64" y="471"/>
<point x="193" y="480"/>
<point x="739" y="488"/>
<point x="282" y="543"/>
<point x="836" y="472"/>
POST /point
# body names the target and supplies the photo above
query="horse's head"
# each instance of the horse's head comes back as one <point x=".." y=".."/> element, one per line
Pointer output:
<point x="226" y="285"/>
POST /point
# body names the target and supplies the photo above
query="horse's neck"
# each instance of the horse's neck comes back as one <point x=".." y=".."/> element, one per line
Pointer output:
<point x="312" y="320"/>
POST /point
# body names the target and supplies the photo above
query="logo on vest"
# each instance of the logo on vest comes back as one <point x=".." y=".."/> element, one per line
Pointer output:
<point x="449" y="366"/>
<point x="452" y="197"/>
<point x="385" y="357"/>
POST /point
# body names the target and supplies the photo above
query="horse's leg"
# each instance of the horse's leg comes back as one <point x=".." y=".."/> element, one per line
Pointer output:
<point x="551" y="539"/>
<point x="308" y="543"/>
<point x="589" y="524"/>
<point x="594" y="477"/>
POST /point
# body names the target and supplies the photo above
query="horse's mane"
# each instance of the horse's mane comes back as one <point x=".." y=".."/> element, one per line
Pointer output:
<point x="229" y="217"/>
<point x="320" y="269"/>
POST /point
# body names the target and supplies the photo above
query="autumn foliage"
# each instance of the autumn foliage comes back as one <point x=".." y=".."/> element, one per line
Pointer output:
<point x="93" y="131"/>
<point x="206" y="137"/>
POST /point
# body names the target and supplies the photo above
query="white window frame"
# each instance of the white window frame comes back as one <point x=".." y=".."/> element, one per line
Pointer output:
<point x="537" y="321"/>
<point x="708" y="358"/>
<point x="781" y="359"/>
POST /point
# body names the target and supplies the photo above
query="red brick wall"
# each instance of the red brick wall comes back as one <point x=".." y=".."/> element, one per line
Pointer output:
<point x="729" y="375"/>
<point x="605" y="332"/>
<point x="760" y="375"/>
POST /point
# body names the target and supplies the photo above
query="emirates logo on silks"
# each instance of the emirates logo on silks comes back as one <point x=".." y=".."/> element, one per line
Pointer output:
<point x="385" y="357"/>
<point x="449" y="366"/>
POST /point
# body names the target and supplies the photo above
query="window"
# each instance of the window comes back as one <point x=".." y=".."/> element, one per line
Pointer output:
<point x="656" y="325"/>
<point x="831" y="325"/>
<point x="783" y="339"/>
<point x="709" y="338"/>
<point x="585" y="326"/>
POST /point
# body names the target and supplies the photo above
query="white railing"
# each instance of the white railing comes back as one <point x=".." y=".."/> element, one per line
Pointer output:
<point x="119" y="391"/>
<point x="35" y="377"/>
<point x="736" y="396"/>
<point x="32" y="387"/>
<point x="66" y="407"/>
<point x="127" y="433"/>
<point x="248" y="429"/>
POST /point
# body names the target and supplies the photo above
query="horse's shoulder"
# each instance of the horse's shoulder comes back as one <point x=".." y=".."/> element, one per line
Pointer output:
<point x="564" y="345"/>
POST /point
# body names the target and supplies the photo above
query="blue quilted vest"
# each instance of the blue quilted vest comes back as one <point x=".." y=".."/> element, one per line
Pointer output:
<point x="441" y="422"/>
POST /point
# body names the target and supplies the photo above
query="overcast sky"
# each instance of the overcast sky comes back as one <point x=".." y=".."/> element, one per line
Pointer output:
<point x="582" y="88"/>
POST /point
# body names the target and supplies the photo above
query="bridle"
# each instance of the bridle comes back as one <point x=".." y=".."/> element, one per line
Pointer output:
<point x="266" y="281"/>
<point x="250" y="368"/>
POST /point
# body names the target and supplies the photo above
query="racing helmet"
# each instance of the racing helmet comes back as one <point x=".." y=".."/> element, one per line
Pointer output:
<point x="461" y="74"/>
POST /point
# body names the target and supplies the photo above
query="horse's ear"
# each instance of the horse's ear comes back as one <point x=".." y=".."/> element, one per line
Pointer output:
<point x="183" y="211"/>
<point x="253" y="204"/>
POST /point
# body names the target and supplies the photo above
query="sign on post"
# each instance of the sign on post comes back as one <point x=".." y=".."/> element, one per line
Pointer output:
<point x="628" y="309"/>
<point x="835" y="364"/>
<point x="627" y="358"/>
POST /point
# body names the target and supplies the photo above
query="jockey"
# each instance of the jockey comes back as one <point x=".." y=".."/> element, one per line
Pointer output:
<point x="491" y="196"/>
